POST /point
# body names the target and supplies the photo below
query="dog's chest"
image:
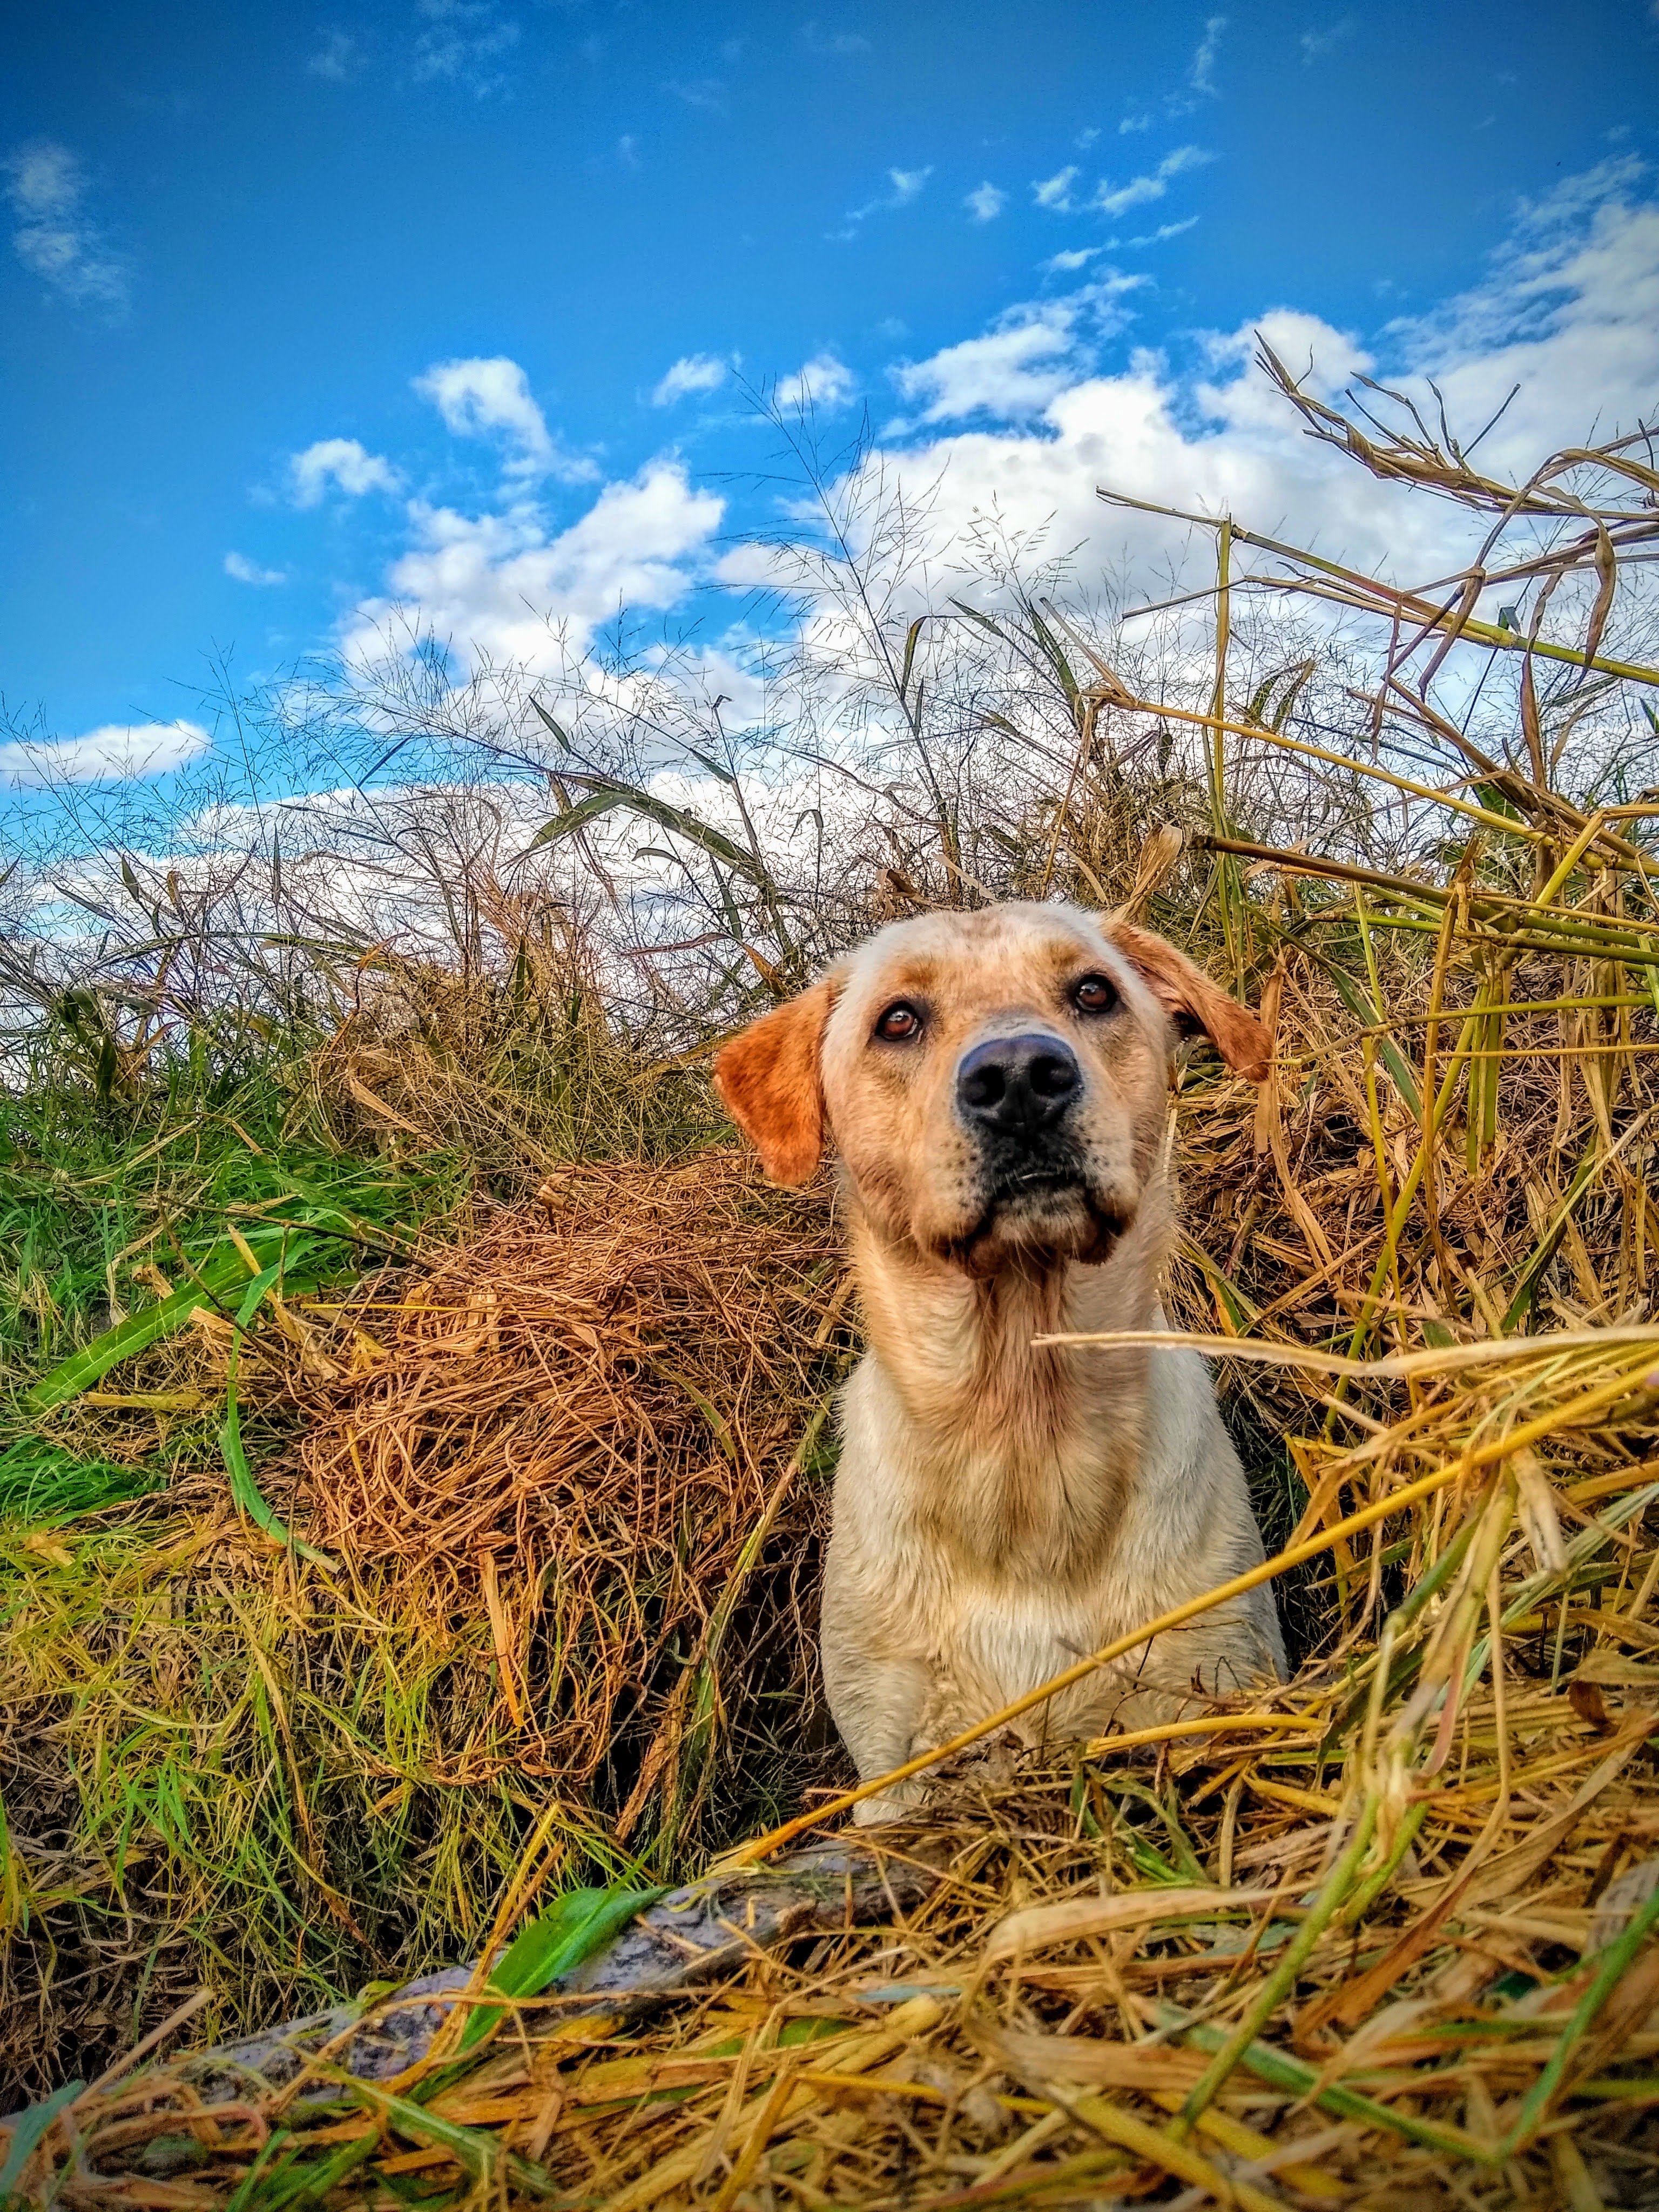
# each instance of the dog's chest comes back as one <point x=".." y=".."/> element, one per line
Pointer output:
<point x="1010" y="1637"/>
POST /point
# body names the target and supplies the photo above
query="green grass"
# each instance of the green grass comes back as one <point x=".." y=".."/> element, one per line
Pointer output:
<point x="222" y="1762"/>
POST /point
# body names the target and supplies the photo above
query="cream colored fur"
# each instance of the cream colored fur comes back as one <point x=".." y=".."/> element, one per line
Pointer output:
<point x="1002" y="1509"/>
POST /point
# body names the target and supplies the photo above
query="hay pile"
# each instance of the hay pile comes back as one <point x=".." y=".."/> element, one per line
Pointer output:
<point x="558" y="1492"/>
<point x="1380" y="1936"/>
<point x="584" y="1425"/>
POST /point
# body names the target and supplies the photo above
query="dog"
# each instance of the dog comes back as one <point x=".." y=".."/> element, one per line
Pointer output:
<point x="995" y="1084"/>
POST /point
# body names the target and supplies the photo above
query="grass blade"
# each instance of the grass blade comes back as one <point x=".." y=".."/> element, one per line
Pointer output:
<point x="555" y="1943"/>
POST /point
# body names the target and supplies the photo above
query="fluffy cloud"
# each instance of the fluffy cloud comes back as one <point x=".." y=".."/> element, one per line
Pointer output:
<point x="1315" y="44"/>
<point x="336" y="58"/>
<point x="116" y="753"/>
<point x="692" y="372"/>
<point x="1117" y="199"/>
<point x="1568" y="310"/>
<point x="1022" y="421"/>
<point x="465" y="42"/>
<point x="1014" y="371"/>
<point x="824" y="381"/>
<point x="249" y="571"/>
<point x="1216" y="444"/>
<point x="343" y="463"/>
<point x="483" y="398"/>
<point x="53" y="236"/>
<point x="1024" y="361"/>
<point x="986" y="202"/>
<point x="1201" y="75"/>
<point x="906" y="185"/>
<point x="1055" y="193"/>
<point x="498" y="588"/>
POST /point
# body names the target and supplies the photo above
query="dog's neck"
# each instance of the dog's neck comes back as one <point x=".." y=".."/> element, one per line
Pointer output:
<point x="1020" y="1453"/>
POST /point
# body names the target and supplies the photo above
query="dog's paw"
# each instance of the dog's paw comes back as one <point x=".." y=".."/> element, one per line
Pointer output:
<point x="992" y="1763"/>
<point x="887" y="1805"/>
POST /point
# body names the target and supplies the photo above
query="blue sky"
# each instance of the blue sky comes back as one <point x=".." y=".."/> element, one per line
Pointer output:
<point x="303" y="311"/>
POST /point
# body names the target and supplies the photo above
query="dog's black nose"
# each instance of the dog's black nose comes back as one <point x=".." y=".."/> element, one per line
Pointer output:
<point x="1017" y="1085"/>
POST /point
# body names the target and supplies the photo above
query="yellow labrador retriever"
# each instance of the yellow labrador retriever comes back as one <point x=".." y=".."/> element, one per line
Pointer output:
<point x="996" y="1086"/>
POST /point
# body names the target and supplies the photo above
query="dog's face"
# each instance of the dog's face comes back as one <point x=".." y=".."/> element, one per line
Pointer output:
<point x="994" y="1082"/>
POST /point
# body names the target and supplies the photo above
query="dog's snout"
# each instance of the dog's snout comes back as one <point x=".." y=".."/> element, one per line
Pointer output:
<point x="1012" y="1084"/>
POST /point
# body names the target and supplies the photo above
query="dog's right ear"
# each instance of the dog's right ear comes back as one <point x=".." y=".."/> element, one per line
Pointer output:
<point x="770" y="1082"/>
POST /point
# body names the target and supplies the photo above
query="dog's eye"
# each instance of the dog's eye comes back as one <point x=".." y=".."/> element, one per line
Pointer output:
<point x="899" y="1023"/>
<point x="1093" y="995"/>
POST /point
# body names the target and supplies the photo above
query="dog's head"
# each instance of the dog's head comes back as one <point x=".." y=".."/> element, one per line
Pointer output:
<point x="994" y="1082"/>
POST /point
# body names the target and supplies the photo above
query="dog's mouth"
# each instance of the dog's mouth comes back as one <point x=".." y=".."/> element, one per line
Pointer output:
<point x="1040" y="1210"/>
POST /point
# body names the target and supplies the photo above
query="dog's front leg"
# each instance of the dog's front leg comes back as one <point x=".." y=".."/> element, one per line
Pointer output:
<point x="877" y="1700"/>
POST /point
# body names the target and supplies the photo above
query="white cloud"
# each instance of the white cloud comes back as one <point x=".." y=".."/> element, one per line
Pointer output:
<point x="1201" y="75"/>
<point x="1215" y="442"/>
<point x="1117" y="199"/>
<point x="343" y="463"/>
<point x="465" y="42"/>
<point x="817" y="40"/>
<point x="692" y="372"/>
<point x="1054" y="192"/>
<point x="53" y="236"/>
<point x="707" y="93"/>
<point x="986" y="202"/>
<point x="498" y="587"/>
<point x="1010" y="372"/>
<point x="1316" y="44"/>
<point x="1139" y="121"/>
<point x="1164" y="230"/>
<point x="906" y="185"/>
<point x="824" y="381"/>
<point x="1569" y="310"/>
<point x="249" y="571"/>
<point x="479" y="397"/>
<point x="1074" y="258"/>
<point x="336" y="58"/>
<point x="1027" y="358"/>
<point x="116" y="753"/>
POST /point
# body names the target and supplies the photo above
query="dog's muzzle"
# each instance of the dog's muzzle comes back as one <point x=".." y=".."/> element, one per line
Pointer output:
<point x="1018" y="1095"/>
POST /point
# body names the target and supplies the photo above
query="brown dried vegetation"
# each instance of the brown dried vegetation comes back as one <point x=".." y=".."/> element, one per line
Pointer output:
<point x="1381" y="1935"/>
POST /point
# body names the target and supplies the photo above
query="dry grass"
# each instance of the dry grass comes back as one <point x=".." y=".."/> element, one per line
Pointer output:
<point x="1381" y="1935"/>
<point x="578" y="1423"/>
<point x="562" y="1485"/>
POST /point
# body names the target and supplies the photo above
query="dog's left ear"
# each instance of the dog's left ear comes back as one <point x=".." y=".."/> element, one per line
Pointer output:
<point x="768" y="1081"/>
<point x="1193" y="1002"/>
